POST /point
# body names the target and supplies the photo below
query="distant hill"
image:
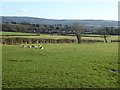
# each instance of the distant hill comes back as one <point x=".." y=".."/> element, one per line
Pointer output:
<point x="33" y="20"/>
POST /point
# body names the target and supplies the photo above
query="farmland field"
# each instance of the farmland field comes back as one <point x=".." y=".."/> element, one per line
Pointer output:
<point x="47" y="36"/>
<point x="15" y="33"/>
<point x="61" y="65"/>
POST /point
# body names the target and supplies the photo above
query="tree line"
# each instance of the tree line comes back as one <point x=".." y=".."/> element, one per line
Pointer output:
<point x="51" y="29"/>
<point x="36" y="28"/>
<point x="76" y="29"/>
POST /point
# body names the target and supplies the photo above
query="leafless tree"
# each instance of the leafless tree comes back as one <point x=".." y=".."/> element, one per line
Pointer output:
<point x="105" y="32"/>
<point x="78" y="28"/>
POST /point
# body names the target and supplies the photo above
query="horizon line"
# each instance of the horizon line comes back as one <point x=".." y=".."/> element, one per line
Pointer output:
<point x="55" y="18"/>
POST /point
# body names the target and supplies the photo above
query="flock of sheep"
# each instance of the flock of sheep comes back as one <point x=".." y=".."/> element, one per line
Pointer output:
<point x="33" y="46"/>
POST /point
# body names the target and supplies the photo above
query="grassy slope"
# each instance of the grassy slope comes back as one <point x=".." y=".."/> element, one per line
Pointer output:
<point x="60" y="65"/>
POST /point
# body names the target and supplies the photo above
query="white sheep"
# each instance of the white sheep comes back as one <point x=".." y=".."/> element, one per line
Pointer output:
<point x="34" y="46"/>
<point x="29" y="46"/>
<point x="41" y="47"/>
<point x="24" y="46"/>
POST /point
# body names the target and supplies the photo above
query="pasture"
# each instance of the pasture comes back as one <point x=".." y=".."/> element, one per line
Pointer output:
<point x="15" y="33"/>
<point x="61" y="66"/>
<point x="48" y="36"/>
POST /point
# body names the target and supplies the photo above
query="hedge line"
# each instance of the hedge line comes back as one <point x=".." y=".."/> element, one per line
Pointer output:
<point x="14" y="41"/>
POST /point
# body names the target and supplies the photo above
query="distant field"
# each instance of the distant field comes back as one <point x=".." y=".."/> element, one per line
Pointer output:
<point x="46" y="36"/>
<point x="41" y="35"/>
<point x="15" y="33"/>
<point x="61" y="65"/>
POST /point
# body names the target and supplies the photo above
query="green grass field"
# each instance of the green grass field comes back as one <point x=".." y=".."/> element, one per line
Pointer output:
<point x="47" y="36"/>
<point x="15" y="33"/>
<point x="61" y="66"/>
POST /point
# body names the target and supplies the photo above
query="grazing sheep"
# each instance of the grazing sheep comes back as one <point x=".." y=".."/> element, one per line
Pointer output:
<point x="34" y="46"/>
<point x="41" y="47"/>
<point x="24" y="46"/>
<point x="29" y="46"/>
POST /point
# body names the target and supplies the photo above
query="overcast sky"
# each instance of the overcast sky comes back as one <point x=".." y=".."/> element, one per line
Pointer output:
<point x="51" y="9"/>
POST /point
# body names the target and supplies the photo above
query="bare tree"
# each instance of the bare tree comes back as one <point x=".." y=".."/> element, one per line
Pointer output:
<point x="78" y="28"/>
<point x="105" y="32"/>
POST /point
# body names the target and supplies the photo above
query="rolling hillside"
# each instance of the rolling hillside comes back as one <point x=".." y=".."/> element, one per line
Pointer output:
<point x="33" y="20"/>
